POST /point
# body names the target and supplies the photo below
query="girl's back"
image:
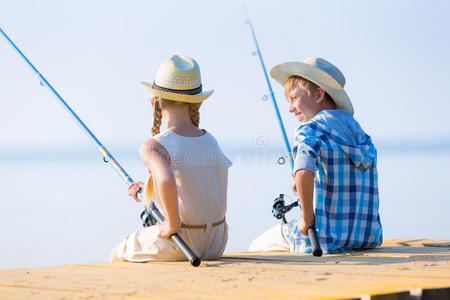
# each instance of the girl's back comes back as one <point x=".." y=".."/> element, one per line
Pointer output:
<point x="201" y="174"/>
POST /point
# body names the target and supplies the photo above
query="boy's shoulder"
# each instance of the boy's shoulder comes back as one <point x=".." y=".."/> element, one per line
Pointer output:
<point x="308" y="134"/>
<point x="311" y="128"/>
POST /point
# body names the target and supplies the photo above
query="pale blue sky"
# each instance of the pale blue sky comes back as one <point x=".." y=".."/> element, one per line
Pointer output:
<point x="394" y="55"/>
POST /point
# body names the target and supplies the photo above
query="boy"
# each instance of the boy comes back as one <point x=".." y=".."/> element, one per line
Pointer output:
<point x="334" y="163"/>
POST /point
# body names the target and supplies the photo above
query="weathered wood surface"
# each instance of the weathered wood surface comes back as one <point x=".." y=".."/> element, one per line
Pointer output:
<point x="397" y="270"/>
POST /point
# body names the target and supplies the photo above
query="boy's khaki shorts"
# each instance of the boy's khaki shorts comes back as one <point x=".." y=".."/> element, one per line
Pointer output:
<point x="274" y="239"/>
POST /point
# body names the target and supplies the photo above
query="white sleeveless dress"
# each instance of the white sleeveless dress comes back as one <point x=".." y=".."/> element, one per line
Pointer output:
<point x="201" y="175"/>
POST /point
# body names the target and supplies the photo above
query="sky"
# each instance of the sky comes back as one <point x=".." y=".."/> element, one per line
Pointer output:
<point x="394" y="55"/>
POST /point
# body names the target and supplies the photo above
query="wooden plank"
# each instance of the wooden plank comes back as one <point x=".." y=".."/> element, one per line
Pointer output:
<point x="390" y="271"/>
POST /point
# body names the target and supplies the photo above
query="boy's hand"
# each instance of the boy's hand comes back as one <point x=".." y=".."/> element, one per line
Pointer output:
<point x="166" y="229"/>
<point x="134" y="188"/>
<point x="305" y="223"/>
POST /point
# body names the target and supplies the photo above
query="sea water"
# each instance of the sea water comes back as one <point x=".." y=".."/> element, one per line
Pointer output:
<point x="66" y="206"/>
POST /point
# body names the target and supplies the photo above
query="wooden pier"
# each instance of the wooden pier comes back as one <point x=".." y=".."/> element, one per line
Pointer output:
<point x="400" y="269"/>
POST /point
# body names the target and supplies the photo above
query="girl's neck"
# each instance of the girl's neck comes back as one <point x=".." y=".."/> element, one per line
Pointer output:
<point x="180" y="123"/>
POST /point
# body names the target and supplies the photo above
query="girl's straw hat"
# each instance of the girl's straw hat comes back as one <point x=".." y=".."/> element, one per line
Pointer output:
<point x="322" y="73"/>
<point x="178" y="79"/>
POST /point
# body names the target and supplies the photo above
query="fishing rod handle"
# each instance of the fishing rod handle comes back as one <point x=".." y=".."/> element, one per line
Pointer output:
<point x="193" y="259"/>
<point x="316" y="250"/>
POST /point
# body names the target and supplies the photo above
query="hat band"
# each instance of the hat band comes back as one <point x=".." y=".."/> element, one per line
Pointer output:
<point x="185" y="92"/>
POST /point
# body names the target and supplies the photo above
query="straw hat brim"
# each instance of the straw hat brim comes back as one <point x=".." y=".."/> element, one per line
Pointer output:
<point x="197" y="98"/>
<point x="283" y="71"/>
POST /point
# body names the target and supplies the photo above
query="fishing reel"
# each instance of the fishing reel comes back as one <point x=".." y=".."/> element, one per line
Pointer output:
<point x="280" y="209"/>
<point x="147" y="219"/>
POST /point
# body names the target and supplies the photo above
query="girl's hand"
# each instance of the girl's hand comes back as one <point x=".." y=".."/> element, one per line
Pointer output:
<point x="166" y="229"/>
<point x="305" y="223"/>
<point x="134" y="188"/>
<point x="293" y="187"/>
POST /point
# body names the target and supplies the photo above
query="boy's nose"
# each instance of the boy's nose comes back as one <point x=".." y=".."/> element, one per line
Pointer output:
<point x="291" y="108"/>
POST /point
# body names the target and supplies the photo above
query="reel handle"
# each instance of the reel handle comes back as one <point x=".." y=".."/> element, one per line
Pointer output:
<point x="316" y="250"/>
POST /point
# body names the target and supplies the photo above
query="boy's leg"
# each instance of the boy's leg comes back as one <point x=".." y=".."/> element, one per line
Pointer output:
<point x="274" y="239"/>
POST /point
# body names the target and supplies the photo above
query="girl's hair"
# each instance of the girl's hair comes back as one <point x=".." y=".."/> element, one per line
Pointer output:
<point x="310" y="87"/>
<point x="157" y="115"/>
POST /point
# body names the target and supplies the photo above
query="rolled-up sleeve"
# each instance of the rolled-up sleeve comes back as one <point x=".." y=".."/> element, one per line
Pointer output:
<point x="306" y="150"/>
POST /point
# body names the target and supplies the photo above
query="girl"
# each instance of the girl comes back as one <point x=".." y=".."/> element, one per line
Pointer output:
<point x="188" y="171"/>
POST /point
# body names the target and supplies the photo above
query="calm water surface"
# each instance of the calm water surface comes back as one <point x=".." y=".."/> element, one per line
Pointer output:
<point x="61" y="208"/>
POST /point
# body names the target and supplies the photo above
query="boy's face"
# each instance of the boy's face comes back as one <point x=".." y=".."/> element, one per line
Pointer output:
<point x="302" y="105"/>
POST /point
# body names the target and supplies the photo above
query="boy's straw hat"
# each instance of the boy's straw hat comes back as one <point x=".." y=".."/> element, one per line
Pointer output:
<point x="178" y="79"/>
<point x="321" y="72"/>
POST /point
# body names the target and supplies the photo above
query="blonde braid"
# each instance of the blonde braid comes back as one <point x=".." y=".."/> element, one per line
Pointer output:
<point x="157" y="116"/>
<point x="195" y="114"/>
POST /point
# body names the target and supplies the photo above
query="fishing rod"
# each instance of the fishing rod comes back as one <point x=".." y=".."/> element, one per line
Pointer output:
<point x="316" y="250"/>
<point x="108" y="158"/>
<point x="272" y="95"/>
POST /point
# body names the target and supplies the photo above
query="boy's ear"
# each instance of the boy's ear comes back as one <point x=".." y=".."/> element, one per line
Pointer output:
<point x="320" y="94"/>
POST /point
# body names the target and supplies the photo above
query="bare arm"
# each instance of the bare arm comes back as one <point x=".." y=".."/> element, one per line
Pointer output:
<point x="156" y="158"/>
<point x="304" y="180"/>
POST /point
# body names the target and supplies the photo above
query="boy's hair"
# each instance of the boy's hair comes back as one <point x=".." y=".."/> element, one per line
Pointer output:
<point x="157" y="115"/>
<point x="310" y="87"/>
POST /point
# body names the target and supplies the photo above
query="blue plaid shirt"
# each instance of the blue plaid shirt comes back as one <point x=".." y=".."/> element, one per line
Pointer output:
<point x="341" y="154"/>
